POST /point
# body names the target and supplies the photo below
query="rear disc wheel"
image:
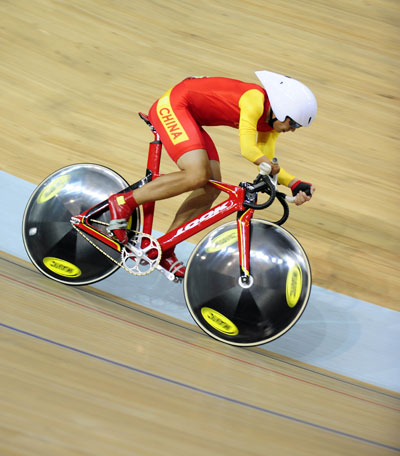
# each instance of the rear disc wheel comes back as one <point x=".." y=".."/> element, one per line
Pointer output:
<point x="54" y="246"/>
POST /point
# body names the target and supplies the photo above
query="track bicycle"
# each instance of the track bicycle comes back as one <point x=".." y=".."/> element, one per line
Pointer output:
<point x="247" y="282"/>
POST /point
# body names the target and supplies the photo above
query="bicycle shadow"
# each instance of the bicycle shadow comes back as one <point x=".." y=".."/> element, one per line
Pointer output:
<point x="328" y="329"/>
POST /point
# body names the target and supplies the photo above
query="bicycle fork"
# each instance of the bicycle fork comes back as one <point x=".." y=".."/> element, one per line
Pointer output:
<point x="243" y="228"/>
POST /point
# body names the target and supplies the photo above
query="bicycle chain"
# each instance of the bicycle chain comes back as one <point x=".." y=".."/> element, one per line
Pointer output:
<point x="120" y="264"/>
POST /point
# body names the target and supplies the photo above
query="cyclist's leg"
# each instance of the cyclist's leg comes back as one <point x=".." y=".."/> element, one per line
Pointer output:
<point x="196" y="166"/>
<point x="200" y="200"/>
<point x="187" y="144"/>
<point x="195" y="172"/>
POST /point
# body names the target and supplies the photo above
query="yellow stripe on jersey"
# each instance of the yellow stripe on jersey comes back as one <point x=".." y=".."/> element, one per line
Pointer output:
<point x="169" y="120"/>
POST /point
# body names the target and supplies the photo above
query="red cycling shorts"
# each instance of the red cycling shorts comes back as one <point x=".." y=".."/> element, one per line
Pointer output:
<point x="178" y="130"/>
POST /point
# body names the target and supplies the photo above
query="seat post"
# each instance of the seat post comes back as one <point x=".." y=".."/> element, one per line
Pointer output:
<point x="154" y="156"/>
<point x="153" y="168"/>
<point x="155" y="146"/>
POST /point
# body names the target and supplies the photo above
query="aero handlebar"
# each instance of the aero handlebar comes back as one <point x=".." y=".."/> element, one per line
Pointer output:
<point x="267" y="184"/>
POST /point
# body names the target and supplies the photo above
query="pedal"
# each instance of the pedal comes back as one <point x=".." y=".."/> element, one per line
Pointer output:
<point x="117" y="224"/>
<point x="169" y="275"/>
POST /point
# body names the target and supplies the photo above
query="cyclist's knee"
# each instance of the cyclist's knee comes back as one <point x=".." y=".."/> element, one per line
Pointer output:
<point x="196" y="169"/>
<point x="197" y="179"/>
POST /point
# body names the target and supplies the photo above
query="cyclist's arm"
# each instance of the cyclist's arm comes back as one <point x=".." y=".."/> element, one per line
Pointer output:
<point x="266" y="143"/>
<point x="261" y="147"/>
<point x="251" y="106"/>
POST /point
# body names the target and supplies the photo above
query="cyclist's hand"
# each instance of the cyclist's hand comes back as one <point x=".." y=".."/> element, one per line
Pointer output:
<point x="275" y="168"/>
<point x="302" y="191"/>
<point x="269" y="168"/>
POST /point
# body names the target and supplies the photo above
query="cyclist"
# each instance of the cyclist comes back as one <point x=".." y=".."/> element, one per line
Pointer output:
<point x="260" y="113"/>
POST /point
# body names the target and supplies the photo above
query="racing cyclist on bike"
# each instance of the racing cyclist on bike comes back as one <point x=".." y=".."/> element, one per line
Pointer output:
<point x="260" y="113"/>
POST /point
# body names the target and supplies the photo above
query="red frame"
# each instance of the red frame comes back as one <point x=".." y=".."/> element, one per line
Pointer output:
<point x="234" y="203"/>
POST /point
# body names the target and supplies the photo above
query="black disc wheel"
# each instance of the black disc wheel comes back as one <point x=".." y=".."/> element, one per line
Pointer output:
<point x="52" y="243"/>
<point x="254" y="313"/>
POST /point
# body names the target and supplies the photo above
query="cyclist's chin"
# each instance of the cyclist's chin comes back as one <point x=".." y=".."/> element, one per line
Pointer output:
<point x="279" y="128"/>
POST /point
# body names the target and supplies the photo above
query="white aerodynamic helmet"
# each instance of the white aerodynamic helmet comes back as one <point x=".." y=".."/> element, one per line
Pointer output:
<point x="289" y="98"/>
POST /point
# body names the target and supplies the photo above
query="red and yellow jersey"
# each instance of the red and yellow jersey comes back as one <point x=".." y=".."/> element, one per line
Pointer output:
<point x="217" y="101"/>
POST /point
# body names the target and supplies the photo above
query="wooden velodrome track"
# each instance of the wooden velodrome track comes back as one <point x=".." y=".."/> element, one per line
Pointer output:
<point x="85" y="373"/>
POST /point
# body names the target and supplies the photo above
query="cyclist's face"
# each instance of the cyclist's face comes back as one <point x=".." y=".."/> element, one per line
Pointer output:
<point x="283" y="127"/>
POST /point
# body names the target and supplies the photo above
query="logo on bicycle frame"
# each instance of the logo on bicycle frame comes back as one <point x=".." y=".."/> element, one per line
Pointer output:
<point x="208" y="215"/>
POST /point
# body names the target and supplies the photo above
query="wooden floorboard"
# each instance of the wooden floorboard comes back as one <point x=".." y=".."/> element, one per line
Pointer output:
<point x="123" y="379"/>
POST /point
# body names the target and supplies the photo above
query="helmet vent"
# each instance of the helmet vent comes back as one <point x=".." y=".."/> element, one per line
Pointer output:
<point x="309" y="120"/>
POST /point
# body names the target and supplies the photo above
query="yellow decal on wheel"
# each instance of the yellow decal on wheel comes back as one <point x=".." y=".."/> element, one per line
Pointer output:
<point x="53" y="188"/>
<point x="61" y="267"/>
<point x="294" y="283"/>
<point x="219" y="321"/>
<point x="222" y="241"/>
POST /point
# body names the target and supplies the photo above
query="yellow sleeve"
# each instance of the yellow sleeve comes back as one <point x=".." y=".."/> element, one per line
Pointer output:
<point x="266" y="143"/>
<point x="251" y="106"/>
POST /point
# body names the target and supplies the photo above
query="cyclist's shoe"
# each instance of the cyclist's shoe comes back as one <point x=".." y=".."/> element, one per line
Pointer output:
<point x="121" y="206"/>
<point x="172" y="264"/>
